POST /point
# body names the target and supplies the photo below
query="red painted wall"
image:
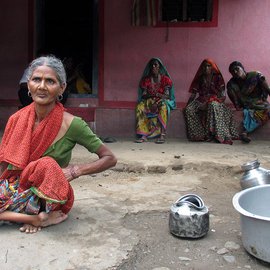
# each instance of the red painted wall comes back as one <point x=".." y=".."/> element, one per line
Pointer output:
<point x="242" y="34"/>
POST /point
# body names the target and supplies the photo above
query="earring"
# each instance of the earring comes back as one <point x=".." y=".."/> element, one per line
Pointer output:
<point x="29" y="94"/>
<point x="60" y="97"/>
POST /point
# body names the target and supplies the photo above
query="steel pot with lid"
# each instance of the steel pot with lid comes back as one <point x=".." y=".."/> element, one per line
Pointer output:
<point x="189" y="217"/>
<point x="254" y="175"/>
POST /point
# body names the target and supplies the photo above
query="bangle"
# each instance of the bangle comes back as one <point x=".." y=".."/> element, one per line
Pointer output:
<point x="72" y="172"/>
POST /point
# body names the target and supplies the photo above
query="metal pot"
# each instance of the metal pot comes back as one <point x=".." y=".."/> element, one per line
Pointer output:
<point x="254" y="175"/>
<point x="189" y="217"/>
<point x="253" y="206"/>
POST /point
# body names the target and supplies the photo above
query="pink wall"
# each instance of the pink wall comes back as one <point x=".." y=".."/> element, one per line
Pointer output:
<point x="242" y="34"/>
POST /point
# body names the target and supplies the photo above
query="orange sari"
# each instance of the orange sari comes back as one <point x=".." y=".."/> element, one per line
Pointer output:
<point x="30" y="173"/>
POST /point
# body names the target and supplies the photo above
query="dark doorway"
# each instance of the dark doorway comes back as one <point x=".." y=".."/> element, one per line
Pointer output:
<point x="68" y="29"/>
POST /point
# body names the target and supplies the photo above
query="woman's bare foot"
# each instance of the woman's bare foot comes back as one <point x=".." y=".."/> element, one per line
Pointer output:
<point x="44" y="220"/>
<point x="51" y="218"/>
<point x="28" y="228"/>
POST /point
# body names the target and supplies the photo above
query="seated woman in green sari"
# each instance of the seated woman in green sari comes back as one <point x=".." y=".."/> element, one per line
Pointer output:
<point x="36" y="150"/>
<point x="249" y="91"/>
<point x="155" y="101"/>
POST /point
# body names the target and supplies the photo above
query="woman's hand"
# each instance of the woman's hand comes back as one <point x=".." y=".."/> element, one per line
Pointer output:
<point x="105" y="161"/>
<point x="160" y="102"/>
<point x="162" y="96"/>
<point x="203" y="106"/>
<point x="71" y="172"/>
<point x="154" y="108"/>
<point x="145" y="94"/>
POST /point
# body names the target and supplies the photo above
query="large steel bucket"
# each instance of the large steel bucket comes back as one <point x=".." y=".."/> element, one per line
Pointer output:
<point x="253" y="204"/>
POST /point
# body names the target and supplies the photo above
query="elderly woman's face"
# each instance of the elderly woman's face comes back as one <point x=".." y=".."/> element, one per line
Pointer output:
<point x="155" y="67"/>
<point x="238" y="72"/>
<point x="44" y="86"/>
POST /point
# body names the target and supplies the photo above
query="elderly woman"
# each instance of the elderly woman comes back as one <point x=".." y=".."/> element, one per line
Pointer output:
<point x="155" y="102"/>
<point x="36" y="150"/>
<point x="207" y="117"/>
<point x="249" y="91"/>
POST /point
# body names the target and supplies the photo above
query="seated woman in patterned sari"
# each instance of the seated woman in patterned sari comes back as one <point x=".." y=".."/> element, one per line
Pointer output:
<point x="155" y="101"/>
<point x="249" y="91"/>
<point x="207" y="117"/>
<point x="36" y="150"/>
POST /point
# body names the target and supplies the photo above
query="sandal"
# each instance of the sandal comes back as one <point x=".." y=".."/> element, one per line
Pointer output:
<point x="244" y="138"/>
<point x="161" y="139"/>
<point x="209" y="139"/>
<point x="141" y="140"/>
<point x="109" y="140"/>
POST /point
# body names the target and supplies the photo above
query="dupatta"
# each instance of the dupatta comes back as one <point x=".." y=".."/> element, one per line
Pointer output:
<point x="171" y="103"/>
<point x="23" y="148"/>
<point x="199" y="72"/>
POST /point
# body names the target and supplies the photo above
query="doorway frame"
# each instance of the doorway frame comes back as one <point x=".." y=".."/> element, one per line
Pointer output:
<point x="36" y="28"/>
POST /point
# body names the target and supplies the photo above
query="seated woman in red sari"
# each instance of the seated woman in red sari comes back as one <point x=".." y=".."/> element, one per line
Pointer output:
<point x="155" y="102"/>
<point x="207" y="117"/>
<point x="36" y="150"/>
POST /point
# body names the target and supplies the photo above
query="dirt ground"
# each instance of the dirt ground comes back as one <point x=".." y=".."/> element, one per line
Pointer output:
<point x="214" y="172"/>
<point x="120" y="217"/>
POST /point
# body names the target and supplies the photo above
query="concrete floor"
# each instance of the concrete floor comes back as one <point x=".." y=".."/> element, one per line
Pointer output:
<point x="145" y="180"/>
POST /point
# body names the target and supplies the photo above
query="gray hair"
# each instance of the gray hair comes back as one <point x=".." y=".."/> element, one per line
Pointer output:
<point x="49" y="61"/>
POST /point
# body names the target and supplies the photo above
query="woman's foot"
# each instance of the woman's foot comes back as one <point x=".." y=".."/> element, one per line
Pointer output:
<point x="141" y="140"/>
<point x="51" y="218"/>
<point x="161" y="139"/>
<point x="28" y="228"/>
<point x="230" y="142"/>
<point x="209" y="138"/>
<point x="244" y="138"/>
<point x="44" y="220"/>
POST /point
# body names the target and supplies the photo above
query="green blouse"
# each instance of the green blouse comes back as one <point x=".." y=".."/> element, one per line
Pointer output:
<point x="78" y="132"/>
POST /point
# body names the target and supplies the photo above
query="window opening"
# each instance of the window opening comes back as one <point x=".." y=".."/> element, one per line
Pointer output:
<point x="187" y="10"/>
<point x="184" y="12"/>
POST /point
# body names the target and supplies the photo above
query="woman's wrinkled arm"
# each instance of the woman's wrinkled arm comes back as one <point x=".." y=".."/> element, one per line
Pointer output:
<point x="266" y="89"/>
<point x="191" y="98"/>
<point x="220" y="86"/>
<point x="221" y="93"/>
<point x="145" y="94"/>
<point x="236" y="101"/>
<point x="144" y="85"/>
<point x="105" y="161"/>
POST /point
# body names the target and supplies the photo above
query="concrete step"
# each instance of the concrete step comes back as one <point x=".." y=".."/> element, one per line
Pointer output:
<point x="121" y="123"/>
